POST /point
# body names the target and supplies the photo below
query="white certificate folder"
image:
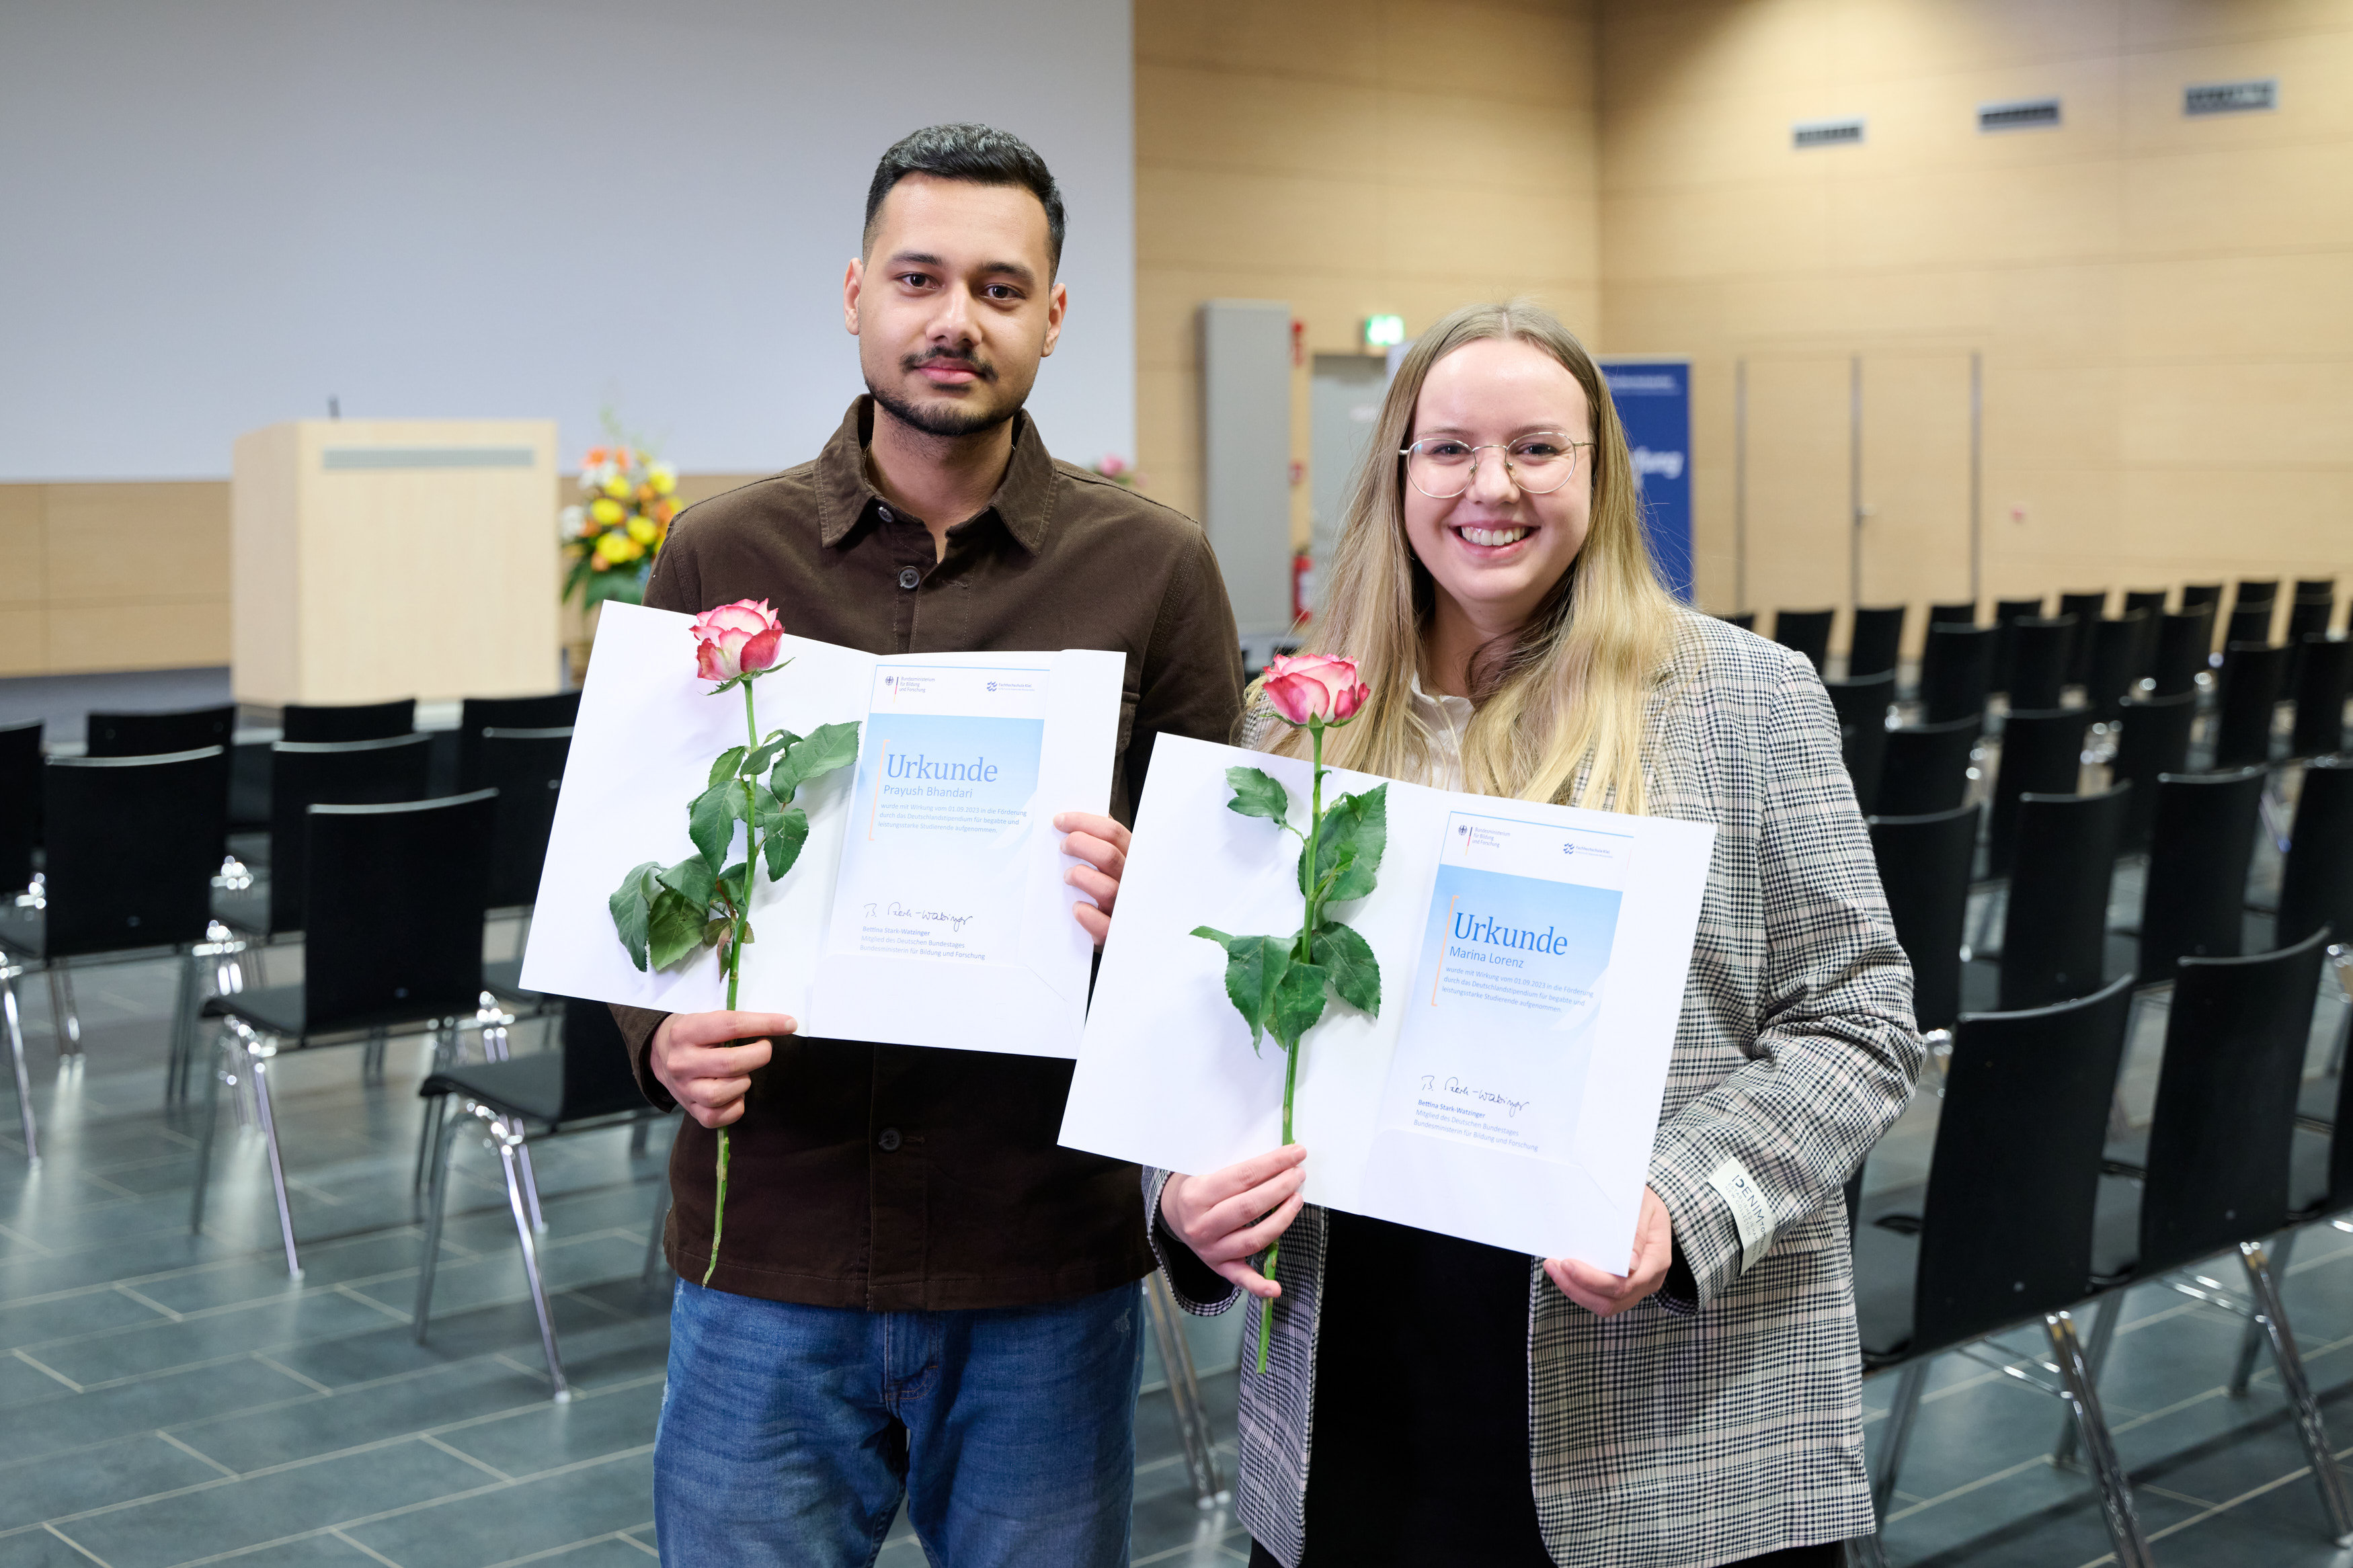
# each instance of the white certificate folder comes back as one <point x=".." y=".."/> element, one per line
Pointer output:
<point x="927" y="906"/>
<point x="1533" y="961"/>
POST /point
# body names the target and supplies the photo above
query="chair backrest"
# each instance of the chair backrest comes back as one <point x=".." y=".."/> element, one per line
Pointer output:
<point x="2324" y="672"/>
<point x="2256" y="591"/>
<point x="2042" y="651"/>
<point x="2200" y="842"/>
<point x="2200" y="594"/>
<point x="2253" y="676"/>
<point x="2309" y="612"/>
<point x="2042" y="752"/>
<point x="1807" y="631"/>
<point x="2013" y="1184"/>
<point x="1863" y="707"/>
<point x="133" y="844"/>
<point x="396" y="895"/>
<point x="2149" y="599"/>
<point x="1956" y="670"/>
<point x="2314" y="587"/>
<point x="304" y="774"/>
<point x="1957" y="615"/>
<point x="556" y="711"/>
<point x="1924" y="869"/>
<point x="2007" y="613"/>
<point x="2088" y="608"/>
<point x="1874" y="641"/>
<point x="157" y="734"/>
<point x="2184" y="637"/>
<point x="2152" y="738"/>
<point x="597" y="1079"/>
<point x="349" y="721"/>
<point x="2317" y="883"/>
<point x="2054" y="937"/>
<point x="2249" y="623"/>
<point x="20" y="803"/>
<point x="2123" y="652"/>
<point x="1926" y="769"/>
<point x="1745" y="619"/>
<point x="2220" y="1140"/>
<point x="526" y="768"/>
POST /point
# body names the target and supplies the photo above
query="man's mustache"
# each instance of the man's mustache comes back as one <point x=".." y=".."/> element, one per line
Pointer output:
<point x="949" y="357"/>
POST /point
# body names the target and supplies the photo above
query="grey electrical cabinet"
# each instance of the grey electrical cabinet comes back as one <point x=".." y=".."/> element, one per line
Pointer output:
<point x="1246" y="457"/>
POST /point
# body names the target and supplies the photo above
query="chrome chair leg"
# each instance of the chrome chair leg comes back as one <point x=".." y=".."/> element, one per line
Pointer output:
<point x="428" y="1141"/>
<point x="530" y="1188"/>
<point x="638" y="1134"/>
<point x="256" y="1054"/>
<point x="9" y="973"/>
<point x="184" y="1019"/>
<point x="2104" y="1335"/>
<point x="2250" y="1335"/>
<point x="655" y="1260"/>
<point x="1901" y="1414"/>
<point x="509" y="1139"/>
<point x="1184" y="1391"/>
<point x="62" y="1010"/>
<point x="2309" y="1428"/>
<point x="2081" y="1379"/>
<point x="211" y="1117"/>
<point x="436" y="1205"/>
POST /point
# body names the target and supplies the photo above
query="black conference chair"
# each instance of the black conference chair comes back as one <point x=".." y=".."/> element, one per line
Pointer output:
<point x="1956" y="671"/>
<point x="1807" y="631"/>
<point x="1863" y="707"/>
<point x="1927" y="768"/>
<point x="2314" y="587"/>
<point x="2007" y="613"/>
<point x="2041" y="753"/>
<point x="2152" y="738"/>
<point x="2256" y="591"/>
<point x="2201" y="593"/>
<point x="329" y="722"/>
<point x="2251" y="691"/>
<point x="2317" y="883"/>
<point x="2122" y="654"/>
<point x="584" y="1087"/>
<point x="2005" y="1238"/>
<point x="556" y="711"/>
<point x="1874" y="641"/>
<point x="2305" y="617"/>
<point x="526" y="768"/>
<point x="2183" y="640"/>
<point x="2041" y="653"/>
<point x="2200" y="839"/>
<point x="2088" y="608"/>
<point x="2054" y="933"/>
<point x="304" y="774"/>
<point x="1924" y="868"/>
<point x="2249" y="623"/>
<point x="2322" y="675"/>
<point x="2149" y="599"/>
<point x="1745" y="619"/>
<point x="20" y="803"/>
<point x="1955" y="614"/>
<point x="132" y="843"/>
<point x="2212" y="1174"/>
<point x="155" y="734"/>
<point x="393" y="939"/>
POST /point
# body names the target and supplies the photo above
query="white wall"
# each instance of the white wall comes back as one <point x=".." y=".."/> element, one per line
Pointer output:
<point x="217" y="214"/>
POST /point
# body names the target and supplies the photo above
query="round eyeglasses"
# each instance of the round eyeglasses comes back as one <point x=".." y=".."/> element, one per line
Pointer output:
<point x="1442" y="466"/>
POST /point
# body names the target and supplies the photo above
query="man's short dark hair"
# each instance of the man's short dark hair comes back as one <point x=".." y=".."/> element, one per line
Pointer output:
<point x="979" y="154"/>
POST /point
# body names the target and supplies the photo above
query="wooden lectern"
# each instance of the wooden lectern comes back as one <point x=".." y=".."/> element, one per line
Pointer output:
<point x="387" y="558"/>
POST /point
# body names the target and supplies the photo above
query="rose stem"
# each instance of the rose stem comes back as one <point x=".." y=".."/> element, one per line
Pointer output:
<point x="1304" y="954"/>
<point x="736" y="957"/>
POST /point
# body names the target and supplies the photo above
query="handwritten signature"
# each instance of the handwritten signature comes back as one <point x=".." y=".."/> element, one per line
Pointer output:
<point x="954" y="922"/>
<point x="1429" y="1085"/>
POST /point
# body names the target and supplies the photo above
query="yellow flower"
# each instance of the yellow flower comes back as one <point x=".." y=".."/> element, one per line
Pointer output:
<point x="607" y="510"/>
<point x="619" y="547"/>
<point x="617" y="486"/>
<point x="642" y="530"/>
<point x="663" y="477"/>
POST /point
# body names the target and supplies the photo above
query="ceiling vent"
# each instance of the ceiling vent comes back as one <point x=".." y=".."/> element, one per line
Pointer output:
<point x="2026" y="114"/>
<point x="2231" y="97"/>
<point x="1827" y="132"/>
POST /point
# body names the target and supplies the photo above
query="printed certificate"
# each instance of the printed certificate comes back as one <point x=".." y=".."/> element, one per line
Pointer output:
<point x="1532" y="959"/>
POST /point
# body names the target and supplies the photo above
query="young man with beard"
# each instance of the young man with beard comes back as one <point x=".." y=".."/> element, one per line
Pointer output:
<point x="922" y="1295"/>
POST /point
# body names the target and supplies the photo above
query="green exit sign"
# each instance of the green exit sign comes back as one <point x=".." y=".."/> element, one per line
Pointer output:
<point x="1384" y="331"/>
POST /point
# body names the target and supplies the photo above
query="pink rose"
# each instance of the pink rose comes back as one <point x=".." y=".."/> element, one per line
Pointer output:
<point x="1314" y="686"/>
<point x="735" y="638"/>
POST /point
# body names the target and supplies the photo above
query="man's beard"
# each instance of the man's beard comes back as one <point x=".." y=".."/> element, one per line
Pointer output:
<point x="946" y="421"/>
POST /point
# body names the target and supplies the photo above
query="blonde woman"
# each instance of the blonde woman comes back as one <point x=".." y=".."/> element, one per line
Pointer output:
<point x="1461" y="1404"/>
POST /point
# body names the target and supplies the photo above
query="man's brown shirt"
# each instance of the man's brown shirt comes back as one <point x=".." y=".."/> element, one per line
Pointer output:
<point x="896" y="1177"/>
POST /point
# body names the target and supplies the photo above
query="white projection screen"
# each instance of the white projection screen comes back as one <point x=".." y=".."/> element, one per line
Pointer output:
<point x="220" y="214"/>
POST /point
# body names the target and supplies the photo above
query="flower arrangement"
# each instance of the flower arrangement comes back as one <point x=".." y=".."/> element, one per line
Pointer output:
<point x="615" y="531"/>
<point x="1117" y="470"/>
<point x="1277" y="983"/>
<point x="666" y="914"/>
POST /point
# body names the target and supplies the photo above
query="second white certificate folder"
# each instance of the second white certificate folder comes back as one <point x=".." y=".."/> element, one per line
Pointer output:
<point x="928" y="906"/>
<point x="1532" y="959"/>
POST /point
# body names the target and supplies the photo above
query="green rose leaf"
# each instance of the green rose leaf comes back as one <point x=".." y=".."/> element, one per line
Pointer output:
<point x="710" y="820"/>
<point x="629" y="904"/>
<point x="784" y="839"/>
<point x="674" y="926"/>
<point x="729" y="763"/>
<point x="694" y="881"/>
<point x="1256" y="794"/>
<point x="1355" y="827"/>
<point x="829" y="746"/>
<point x="715" y="931"/>
<point x="1254" y="969"/>
<point x="1298" y="1002"/>
<point x="1347" y="958"/>
<point x="731" y="883"/>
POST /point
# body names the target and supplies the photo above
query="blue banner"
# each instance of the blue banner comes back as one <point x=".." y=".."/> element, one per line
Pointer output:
<point x="1654" y="398"/>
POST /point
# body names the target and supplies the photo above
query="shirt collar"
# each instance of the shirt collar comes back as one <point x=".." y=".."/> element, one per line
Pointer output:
<point x="1024" y="500"/>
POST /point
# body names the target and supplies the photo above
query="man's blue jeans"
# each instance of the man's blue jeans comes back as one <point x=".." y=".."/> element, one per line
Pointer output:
<point x="789" y="1434"/>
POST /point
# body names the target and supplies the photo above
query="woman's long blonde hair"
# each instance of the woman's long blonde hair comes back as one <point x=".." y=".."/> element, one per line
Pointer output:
<point x="1571" y="691"/>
